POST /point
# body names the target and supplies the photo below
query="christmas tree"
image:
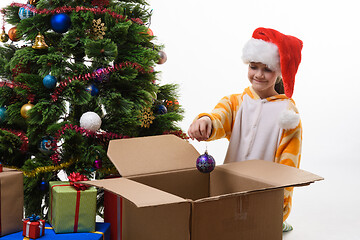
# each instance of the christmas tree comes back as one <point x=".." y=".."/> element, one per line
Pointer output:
<point x="74" y="75"/>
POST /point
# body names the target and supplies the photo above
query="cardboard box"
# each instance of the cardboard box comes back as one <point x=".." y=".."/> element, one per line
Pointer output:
<point x="165" y="197"/>
<point x="11" y="201"/>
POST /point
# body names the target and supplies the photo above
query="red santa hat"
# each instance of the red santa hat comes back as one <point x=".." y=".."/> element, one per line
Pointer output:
<point x="278" y="51"/>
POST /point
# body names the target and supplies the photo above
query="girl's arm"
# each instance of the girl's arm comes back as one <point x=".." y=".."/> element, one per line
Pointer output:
<point x="218" y="123"/>
<point x="289" y="153"/>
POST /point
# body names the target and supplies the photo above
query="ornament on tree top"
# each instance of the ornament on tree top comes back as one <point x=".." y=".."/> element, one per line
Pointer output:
<point x="60" y="22"/>
<point x="205" y="163"/>
<point x="90" y="121"/>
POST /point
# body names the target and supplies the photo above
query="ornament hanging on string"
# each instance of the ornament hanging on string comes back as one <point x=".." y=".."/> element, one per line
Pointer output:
<point x="60" y="22"/>
<point x="90" y="121"/>
<point x="205" y="163"/>
<point x="92" y="89"/>
<point x="43" y="186"/>
<point x="150" y="32"/>
<point x="100" y="75"/>
<point x="146" y="117"/>
<point x="162" y="57"/>
<point x="25" y="12"/>
<point x="49" y="81"/>
<point x="4" y="37"/>
<point x="14" y="35"/>
<point x="3" y="114"/>
<point x="46" y="145"/>
<point x="98" y="29"/>
<point x="24" y="111"/>
<point x="33" y="2"/>
<point x="160" y="109"/>
<point x="40" y="42"/>
<point x="97" y="163"/>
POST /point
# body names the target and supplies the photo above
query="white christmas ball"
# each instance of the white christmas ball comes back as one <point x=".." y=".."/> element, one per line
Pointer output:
<point x="90" y="121"/>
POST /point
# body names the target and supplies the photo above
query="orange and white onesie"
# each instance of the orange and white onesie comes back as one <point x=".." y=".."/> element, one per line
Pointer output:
<point x="268" y="129"/>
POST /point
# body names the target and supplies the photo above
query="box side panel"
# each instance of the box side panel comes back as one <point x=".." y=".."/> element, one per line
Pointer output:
<point x="156" y="223"/>
<point x="249" y="216"/>
<point x="225" y="182"/>
<point x="11" y="202"/>
<point x="188" y="184"/>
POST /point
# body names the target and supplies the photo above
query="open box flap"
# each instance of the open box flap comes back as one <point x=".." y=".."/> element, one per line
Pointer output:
<point x="274" y="174"/>
<point x="139" y="194"/>
<point x="153" y="154"/>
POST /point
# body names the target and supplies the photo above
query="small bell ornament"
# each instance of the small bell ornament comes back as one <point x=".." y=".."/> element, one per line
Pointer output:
<point x="4" y="37"/>
<point x="205" y="163"/>
<point x="40" y="42"/>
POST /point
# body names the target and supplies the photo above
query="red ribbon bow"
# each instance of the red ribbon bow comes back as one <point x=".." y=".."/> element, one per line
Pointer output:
<point x="76" y="177"/>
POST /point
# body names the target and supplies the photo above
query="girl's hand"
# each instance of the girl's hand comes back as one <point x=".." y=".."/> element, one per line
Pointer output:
<point x="200" y="129"/>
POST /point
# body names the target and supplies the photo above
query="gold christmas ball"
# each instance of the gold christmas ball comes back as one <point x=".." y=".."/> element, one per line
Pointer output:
<point x="4" y="37"/>
<point x="25" y="109"/>
<point x="13" y="35"/>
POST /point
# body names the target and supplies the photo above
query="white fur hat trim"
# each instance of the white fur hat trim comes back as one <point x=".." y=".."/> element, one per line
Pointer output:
<point x="257" y="50"/>
<point x="289" y="119"/>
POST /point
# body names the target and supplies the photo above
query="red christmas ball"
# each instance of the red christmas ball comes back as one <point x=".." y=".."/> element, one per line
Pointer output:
<point x="14" y="35"/>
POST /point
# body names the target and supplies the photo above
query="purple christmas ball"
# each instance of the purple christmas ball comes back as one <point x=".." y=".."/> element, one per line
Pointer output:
<point x="205" y="163"/>
<point x="101" y="75"/>
<point x="97" y="164"/>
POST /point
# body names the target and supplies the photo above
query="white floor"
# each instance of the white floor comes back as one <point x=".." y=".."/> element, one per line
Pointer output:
<point x="328" y="209"/>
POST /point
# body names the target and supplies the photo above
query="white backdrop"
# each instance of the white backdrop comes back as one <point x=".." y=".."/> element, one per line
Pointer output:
<point x="203" y="41"/>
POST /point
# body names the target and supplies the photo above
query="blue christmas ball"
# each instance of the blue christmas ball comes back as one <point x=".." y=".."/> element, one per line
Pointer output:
<point x="49" y="81"/>
<point x="44" y="186"/>
<point x="60" y="22"/>
<point x="161" y="109"/>
<point x="25" y="12"/>
<point x="46" y="145"/>
<point x="205" y="163"/>
<point x="93" y="90"/>
<point x="2" y="114"/>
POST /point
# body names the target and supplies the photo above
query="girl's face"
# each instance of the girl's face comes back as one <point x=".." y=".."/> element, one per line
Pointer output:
<point x="262" y="79"/>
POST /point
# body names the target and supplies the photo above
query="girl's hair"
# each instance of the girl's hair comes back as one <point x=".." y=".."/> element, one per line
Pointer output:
<point x="279" y="85"/>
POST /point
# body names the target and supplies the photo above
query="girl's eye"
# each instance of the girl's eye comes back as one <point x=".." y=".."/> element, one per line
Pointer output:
<point x="268" y="70"/>
<point x="253" y="67"/>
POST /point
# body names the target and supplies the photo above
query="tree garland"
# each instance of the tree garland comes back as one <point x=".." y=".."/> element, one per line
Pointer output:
<point x="88" y="76"/>
<point x="24" y="139"/>
<point x="67" y="9"/>
<point x="102" y="136"/>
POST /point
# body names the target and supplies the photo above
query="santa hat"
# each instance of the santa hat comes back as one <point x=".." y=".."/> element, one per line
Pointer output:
<point x="277" y="51"/>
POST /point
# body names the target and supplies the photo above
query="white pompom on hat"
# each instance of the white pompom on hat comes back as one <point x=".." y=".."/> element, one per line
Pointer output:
<point x="278" y="51"/>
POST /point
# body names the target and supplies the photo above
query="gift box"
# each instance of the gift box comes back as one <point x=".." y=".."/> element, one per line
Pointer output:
<point x="71" y="210"/>
<point x="112" y="214"/>
<point x="11" y="201"/>
<point x="102" y="232"/>
<point x="33" y="227"/>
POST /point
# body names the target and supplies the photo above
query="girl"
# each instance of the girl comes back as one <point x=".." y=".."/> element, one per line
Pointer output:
<point x="262" y="122"/>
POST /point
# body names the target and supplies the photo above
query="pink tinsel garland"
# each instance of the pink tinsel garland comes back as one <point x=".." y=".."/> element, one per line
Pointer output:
<point x="24" y="139"/>
<point x="66" y="9"/>
<point x="88" y="76"/>
<point x="102" y="136"/>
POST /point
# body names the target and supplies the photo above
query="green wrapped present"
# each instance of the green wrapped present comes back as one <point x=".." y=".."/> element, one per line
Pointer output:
<point x="72" y="209"/>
